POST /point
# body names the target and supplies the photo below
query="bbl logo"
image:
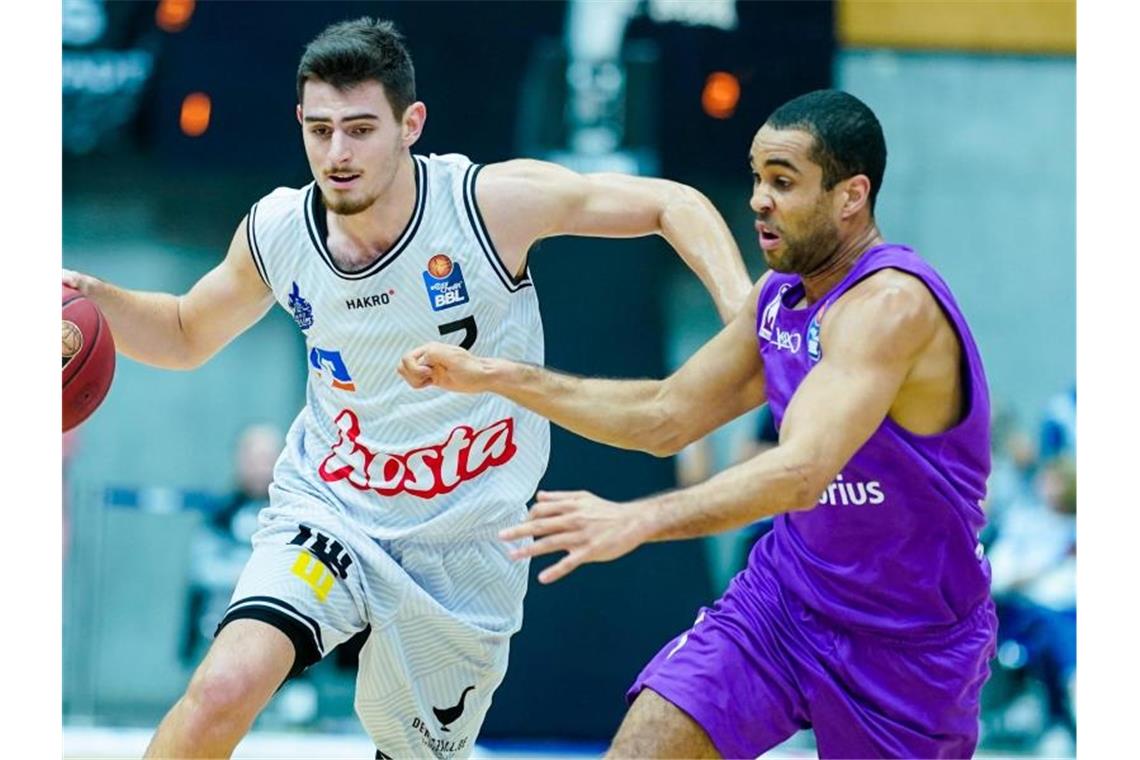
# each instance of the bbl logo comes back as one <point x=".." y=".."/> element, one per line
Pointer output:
<point x="444" y="282"/>
<point x="302" y="309"/>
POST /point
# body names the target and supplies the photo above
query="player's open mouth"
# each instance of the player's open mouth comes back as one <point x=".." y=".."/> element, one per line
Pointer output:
<point x="769" y="239"/>
<point x="342" y="180"/>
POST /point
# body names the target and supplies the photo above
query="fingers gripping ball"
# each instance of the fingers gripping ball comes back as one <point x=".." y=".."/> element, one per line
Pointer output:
<point x="88" y="357"/>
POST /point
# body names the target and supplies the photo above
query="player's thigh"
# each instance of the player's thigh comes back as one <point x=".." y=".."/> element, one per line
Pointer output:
<point x="655" y="727"/>
<point x="304" y="580"/>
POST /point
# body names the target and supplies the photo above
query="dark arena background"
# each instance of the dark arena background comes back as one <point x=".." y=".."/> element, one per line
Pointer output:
<point x="179" y="115"/>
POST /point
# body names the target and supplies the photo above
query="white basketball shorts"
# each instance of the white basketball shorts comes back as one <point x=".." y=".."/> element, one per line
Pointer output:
<point x="441" y="615"/>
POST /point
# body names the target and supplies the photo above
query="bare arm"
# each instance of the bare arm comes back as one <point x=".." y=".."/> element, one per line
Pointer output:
<point x="871" y="340"/>
<point x="182" y="332"/>
<point x="524" y="201"/>
<point x="721" y="381"/>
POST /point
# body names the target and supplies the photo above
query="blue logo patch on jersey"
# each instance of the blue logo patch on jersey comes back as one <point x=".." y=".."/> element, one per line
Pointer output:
<point x="815" y="353"/>
<point x="444" y="282"/>
<point x="302" y="309"/>
<point x="813" y="340"/>
<point x="331" y="361"/>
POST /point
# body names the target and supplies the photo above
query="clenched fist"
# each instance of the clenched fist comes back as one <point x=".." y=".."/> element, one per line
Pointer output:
<point x="444" y="366"/>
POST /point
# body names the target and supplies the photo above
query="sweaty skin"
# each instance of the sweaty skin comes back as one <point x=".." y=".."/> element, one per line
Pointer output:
<point x="887" y="350"/>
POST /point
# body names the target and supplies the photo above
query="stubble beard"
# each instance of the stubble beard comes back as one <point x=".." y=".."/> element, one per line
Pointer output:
<point x="805" y="253"/>
<point x="348" y="206"/>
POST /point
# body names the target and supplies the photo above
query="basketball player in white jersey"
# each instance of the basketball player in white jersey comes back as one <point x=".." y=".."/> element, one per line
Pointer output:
<point x="386" y="502"/>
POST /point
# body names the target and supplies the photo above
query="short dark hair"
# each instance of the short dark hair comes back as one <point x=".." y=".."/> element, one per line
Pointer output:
<point x="848" y="137"/>
<point x="351" y="52"/>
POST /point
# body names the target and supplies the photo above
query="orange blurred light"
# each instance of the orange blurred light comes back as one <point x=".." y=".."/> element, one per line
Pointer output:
<point x="174" y="15"/>
<point x="721" y="94"/>
<point x="195" y="116"/>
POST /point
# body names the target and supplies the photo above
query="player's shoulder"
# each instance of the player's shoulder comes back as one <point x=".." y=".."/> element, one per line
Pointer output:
<point x="889" y="304"/>
<point x="281" y="198"/>
<point x="894" y="291"/>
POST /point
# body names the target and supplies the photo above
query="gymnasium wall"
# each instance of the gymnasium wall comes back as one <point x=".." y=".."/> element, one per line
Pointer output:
<point x="981" y="179"/>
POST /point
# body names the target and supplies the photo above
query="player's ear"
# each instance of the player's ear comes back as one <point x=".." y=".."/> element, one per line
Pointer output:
<point x="856" y="195"/>
<point x="412" y="123"/>
<point x="300" y="119"/>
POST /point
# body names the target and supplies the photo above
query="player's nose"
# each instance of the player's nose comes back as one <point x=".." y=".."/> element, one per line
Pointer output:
<point x="339" y="149"/>
<point x="761" y="202"/>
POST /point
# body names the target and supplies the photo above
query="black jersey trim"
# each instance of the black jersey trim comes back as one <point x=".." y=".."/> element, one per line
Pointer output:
<point x="317" y="226"/>
<point x="254" y="250"/>
<point x="475" y="218"/>
<point x="311" y="641"/>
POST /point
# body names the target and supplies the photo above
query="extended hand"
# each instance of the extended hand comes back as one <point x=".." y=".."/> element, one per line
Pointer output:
<point x="444" y="366"/>
<point x="78" y="280"/>
<point x="578" y="522"/>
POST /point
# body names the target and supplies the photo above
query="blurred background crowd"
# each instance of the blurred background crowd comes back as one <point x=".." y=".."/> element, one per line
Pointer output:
<point x="179" y="115"/>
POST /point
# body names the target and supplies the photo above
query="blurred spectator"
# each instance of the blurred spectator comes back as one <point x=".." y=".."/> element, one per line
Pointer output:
<point x="257" y="451"/>
<point x="1014" y="466"/>
<point x="1033" y="558"/>
<point x="222" y="546"/>
<point x="1059" y="428"/>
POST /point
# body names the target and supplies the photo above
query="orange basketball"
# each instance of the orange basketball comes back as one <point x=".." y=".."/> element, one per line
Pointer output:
<point x="439" y="266"/>
<point x="88" y="357"/>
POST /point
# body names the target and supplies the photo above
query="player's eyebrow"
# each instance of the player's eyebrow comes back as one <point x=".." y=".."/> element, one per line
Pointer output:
<point x="782" y="162"/>
<point x="352" y="117"/>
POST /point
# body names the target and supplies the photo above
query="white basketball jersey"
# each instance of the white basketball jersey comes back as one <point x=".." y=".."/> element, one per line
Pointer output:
<point x="399" y="462"/>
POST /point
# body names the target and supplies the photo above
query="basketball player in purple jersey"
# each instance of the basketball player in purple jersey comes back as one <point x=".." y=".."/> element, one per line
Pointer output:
<point x="866" y="612"/>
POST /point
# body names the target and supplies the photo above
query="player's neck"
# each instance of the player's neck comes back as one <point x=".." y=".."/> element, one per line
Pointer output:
<point x="818" y="282"/>
<point x="374" y="230"/>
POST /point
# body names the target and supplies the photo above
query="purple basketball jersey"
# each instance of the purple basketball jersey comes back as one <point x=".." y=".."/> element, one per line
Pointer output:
<point x="892" y="544"/>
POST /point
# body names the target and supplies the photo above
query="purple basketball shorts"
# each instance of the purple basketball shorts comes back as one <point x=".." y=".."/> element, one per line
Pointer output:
<point x="759" y="666"/>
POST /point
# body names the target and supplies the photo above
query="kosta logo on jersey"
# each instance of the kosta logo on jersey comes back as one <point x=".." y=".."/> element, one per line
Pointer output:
<point x="855" y="493"/>
<point x="426" y="472"/>
<point x="322" y="360"/>
<point x="302" y="309"/>
<point x="443" y="279"/>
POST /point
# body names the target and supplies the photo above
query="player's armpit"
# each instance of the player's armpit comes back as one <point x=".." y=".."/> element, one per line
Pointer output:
<point x="870" y="339"/>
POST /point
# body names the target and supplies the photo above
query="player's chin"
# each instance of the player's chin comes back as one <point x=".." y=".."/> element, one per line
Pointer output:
<point x="347" y="202"/>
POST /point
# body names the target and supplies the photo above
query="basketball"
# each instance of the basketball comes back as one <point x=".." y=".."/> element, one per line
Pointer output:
<point x="439" y="266"/>
<point x="88" y="358"/>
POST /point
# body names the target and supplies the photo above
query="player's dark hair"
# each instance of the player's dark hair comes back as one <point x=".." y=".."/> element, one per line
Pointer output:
<point x="351" y="52"/>
<point x="848" y="137"/>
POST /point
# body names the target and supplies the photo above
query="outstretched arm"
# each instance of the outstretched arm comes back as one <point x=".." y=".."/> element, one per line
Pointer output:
<point x="721" y="381"/>
<point x="524" y="201"/>
<point x="870" y="342"/>
<point x="182" y="332"/>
